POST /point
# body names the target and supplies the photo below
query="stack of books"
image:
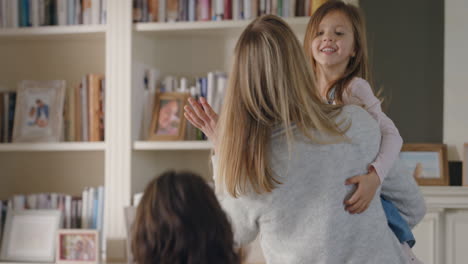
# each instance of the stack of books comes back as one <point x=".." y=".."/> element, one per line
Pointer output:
<point x="35" y="13"/>
<point x="206" y="10"/>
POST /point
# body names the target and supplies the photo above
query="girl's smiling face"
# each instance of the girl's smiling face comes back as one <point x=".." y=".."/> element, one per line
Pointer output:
<point x="333" y="46"/>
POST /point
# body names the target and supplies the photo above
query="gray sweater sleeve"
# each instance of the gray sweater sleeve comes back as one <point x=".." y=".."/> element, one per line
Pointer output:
<point x="244" y="220"/>
<point x="403" y="191"/>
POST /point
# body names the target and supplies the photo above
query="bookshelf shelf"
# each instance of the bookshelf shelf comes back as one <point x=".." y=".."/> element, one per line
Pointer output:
<point x="47" y="31"/>
<point x="61" y="146"/>
<point x="172" y="145"/>
<point x="208" y="27"/>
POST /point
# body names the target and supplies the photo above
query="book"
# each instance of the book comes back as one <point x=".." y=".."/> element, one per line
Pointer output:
<point x="61" y="12"/>
<point x="70" y="115"/>
<point x="11" y="115"/>
<point x="103" y="12"/>
<point x="94" y="108"/>
<point x="24" y="13"/>
<point x="192" y="10"/>
<point x="68" y="211"/>
<point x="153" y="10"/>
<point x="172" y="10"/>
<point x="78" y="113"/>
<point x="71" y="12"/>
<point x="86" y="12"/>
<point x="78" y="12"/>
<point x="95" y="12"/>
<point x="204" y="7"/>
<point x="2" y="116"/>
<point x="34" y="13"/>
<point x="84" y="210"/>
<point x="162" y="11"/>
<point x="84" y="109"/>
<point x="247" y="9"/>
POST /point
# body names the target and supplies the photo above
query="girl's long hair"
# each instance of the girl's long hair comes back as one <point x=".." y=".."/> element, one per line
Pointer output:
<point x="358" y="65"/>
<point x="270" y="85"/>
<point x="180" y="221"/>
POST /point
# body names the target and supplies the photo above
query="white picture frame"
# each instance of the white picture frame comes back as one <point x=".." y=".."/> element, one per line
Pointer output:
<point x="39" y="111"/>
<point x="30" y="235"/>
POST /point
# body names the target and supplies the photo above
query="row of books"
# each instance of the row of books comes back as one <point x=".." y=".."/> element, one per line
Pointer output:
<point x="206" y="10"/>
<point x="212" y="87"/>
<point x="86" y="212"/>
<point x="34" y="13"/>
<point x="84" y="113"/>
<point x="7" y="115"/>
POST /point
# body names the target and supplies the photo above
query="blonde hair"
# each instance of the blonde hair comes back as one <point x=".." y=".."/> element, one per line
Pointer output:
<point x="270" y="85"/>
<point x="358" y="65"/>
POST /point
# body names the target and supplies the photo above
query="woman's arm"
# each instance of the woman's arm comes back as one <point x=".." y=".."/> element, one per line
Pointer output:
<point x="241" y="212"/>
<point x="359" y="92"/>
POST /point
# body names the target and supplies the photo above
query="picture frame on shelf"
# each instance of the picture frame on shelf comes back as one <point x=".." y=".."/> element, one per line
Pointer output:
<point x="39" y="111"/>
<point x="168" y="122"/>
<point x="29" y="235"/>
<point x="427" y="163"/>
<point x="76" y="246"/>
<point x="465" y="165"/>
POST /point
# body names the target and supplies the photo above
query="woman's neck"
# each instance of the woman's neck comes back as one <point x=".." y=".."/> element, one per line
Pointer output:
<point x="326" y="76"/>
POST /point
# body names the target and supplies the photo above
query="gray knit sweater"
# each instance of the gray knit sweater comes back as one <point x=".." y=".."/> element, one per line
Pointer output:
<point x="303" y="220"/>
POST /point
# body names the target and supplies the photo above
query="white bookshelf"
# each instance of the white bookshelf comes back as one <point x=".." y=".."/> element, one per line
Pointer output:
<point x="208" y="27"/>
<point x="50" y="31"/>
<point x="172" y="145"/>
<point x="60" y="146"/>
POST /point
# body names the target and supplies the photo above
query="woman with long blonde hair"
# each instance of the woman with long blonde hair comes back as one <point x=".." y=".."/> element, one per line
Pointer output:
<point x="277" y="151"/>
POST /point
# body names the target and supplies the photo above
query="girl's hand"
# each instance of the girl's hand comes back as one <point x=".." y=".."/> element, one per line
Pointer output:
<point x="202" y="116"/>
<point x="367" y="185"/>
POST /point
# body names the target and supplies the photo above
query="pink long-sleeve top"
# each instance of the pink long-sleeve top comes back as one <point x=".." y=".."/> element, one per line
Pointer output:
<point x="359" y="92"/>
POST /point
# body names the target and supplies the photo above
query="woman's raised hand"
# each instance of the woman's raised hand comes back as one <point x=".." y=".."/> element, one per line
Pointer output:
<point x="202" y="116"/>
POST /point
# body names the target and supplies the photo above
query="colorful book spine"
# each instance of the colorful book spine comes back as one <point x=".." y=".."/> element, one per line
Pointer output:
<point x="205" y="6"/>
<point x="61" y="12"/>
<point x="24" y="13"/>
<point x="247" y="9"/>
<point x="162" y="11"/>
<point x="192" y="10"/>
<point x="153" y="10"/>
<point x="172" y="10"/>
<point x="228" y="10"/>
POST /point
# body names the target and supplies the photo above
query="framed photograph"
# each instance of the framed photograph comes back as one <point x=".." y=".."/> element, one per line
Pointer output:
<point x="39" y="111"/>
<point x="465" y="165"/>
<point x="168" y="122"/>
<point x="77" y="246"/>
<point x="29" y="235"/>
<point x="426" y="162"/>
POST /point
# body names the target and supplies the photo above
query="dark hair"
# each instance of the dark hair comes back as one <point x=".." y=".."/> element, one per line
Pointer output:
<point x="180" y="221"/>
<point x="358" y="66"/>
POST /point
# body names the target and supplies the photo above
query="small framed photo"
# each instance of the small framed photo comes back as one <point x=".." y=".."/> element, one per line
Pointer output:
<point x="77" y="246"/>
<point x="168" y="122"/>
<point x="39" y="111"/>
<point x="465" y="165"/>
<point x="29" y="235"/>
<point x="427" y="163"/>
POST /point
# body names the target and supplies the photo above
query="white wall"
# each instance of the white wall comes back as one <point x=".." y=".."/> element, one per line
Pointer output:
<point x="455" y="131"/>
